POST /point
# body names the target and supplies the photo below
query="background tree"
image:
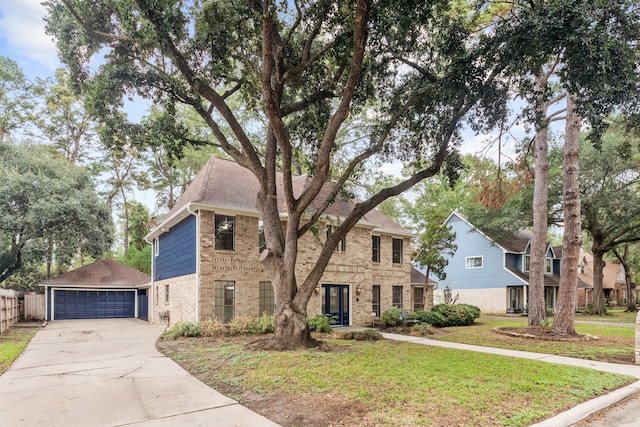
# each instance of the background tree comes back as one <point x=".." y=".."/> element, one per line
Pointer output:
<point x="50" y="208"/>
<point x="610" y="197"/>
<point x="572" y="237"/>
<point x="595" y="46"/>
<point x="64" y="121"/>
<point x="138" y="255"/>
<point x="16" y="98"/>
<point x="627" y="259"/>
<point x="435" y="243"/>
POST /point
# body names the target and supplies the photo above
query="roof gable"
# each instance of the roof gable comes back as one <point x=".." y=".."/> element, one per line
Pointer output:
<point x="225" y="184"/>
<point x="104" y="273"/>
<point x="517" y="242"/>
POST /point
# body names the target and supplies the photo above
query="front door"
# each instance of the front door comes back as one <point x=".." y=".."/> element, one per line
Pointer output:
<point x="336" y="303"/>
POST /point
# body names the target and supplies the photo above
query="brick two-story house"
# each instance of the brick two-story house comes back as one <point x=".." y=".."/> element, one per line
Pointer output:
<point x="206" y="256"/>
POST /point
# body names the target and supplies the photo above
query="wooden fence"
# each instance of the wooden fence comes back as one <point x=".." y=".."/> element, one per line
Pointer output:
<point x="9" y="309"/>
<point x="33" y="307"/>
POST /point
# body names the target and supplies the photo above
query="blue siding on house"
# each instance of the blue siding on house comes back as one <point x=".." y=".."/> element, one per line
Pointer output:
<point x="473" y="243"/>
<point x="177" y="253"/>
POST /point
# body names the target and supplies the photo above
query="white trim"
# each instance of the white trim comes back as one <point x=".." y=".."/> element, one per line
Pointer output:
<point x="466" y="264"/>
<point x="196" y="213"/>
<point x="474" y="229"/>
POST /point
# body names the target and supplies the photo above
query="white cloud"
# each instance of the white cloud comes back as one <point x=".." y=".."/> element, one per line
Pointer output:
<point x="22" y="30"/>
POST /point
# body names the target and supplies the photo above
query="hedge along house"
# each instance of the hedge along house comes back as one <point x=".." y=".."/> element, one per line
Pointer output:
<point x="104" y="289"/>
<point x="206" y="256"/>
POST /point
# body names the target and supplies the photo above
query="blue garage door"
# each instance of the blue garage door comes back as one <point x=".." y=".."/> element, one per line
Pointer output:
<point x="80" y="304"/>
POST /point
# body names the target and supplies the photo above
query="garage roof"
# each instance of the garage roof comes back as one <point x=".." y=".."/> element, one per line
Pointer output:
<point x="102" y="273"/>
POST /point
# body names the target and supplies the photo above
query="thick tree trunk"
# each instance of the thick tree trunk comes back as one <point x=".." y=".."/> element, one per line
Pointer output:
<point x="597" y="307"/>
<point x="537" y="309"/>
<point x="563" y="321"/>
<point x="292" y="330"/>
<point x="632" y="307"/>
<point x="631" y="298"/>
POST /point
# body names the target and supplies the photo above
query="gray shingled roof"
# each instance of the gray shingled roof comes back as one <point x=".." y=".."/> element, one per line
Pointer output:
<point x="225" y="184"/>
<point x="417" y="277"/>
<point x="102" y="273"/>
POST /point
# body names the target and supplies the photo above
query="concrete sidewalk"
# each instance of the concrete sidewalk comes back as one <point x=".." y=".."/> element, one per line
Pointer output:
<point x="109" y="373"/>
<point x="573" y="415"/>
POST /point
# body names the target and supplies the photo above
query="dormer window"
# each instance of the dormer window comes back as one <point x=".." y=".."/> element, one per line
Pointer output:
<point x="582" y="265"/>
<point x="548" y="266"/>
<point x="527" y="263"/>
<point x="224" y="232"/>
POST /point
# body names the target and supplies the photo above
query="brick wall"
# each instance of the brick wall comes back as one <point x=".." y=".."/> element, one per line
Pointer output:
<point x="181" y="302"/>
<point x="352" y="267"/>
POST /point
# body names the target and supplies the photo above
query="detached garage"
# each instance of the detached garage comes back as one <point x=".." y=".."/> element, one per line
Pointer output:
<point x="105" y="289"/>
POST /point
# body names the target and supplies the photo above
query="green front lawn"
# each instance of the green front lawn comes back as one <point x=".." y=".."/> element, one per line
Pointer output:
<point x="614" y="343"/>
<point x="389" y="383"/>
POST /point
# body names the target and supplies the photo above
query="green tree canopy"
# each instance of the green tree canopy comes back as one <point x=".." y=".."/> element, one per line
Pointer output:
<point x="51" y="210"/>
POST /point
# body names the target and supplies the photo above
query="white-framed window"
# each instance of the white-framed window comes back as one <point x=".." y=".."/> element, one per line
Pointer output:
<point x="527" y="263"/>
<point x="548" y="265"/>
<point x="156" y="246"/>
<point x="473" y="262"/>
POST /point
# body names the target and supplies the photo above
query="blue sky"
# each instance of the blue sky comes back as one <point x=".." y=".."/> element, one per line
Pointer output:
<point x="22" y="38"/>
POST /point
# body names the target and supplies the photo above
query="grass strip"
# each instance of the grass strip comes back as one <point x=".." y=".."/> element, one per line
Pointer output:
<point x="12" y="343"/>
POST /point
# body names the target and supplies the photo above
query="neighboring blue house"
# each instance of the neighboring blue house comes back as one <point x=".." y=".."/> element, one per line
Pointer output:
<point x="493" y="274"/>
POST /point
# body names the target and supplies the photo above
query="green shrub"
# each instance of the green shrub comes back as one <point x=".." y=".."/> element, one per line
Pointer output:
<point x="183" y="329"/>
<point x="472" y="310"/>
<point x="433" y="318"/>
<point x="457" y="315"/>
<point x="365" y="335"/>
<point x="264" y="324"/>
<point x="320" y="323"/>
<point x="392" y="316"/>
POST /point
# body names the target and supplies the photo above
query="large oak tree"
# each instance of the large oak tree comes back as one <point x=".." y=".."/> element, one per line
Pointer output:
<point x="408" y="75"/>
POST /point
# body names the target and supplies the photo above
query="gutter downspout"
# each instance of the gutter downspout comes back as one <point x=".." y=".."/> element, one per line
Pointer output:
<point x="196" y="213"/>
<point x="152" y="295"/>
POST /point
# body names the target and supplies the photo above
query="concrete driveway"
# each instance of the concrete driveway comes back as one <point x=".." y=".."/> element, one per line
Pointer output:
<point x="108" y="373"/>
